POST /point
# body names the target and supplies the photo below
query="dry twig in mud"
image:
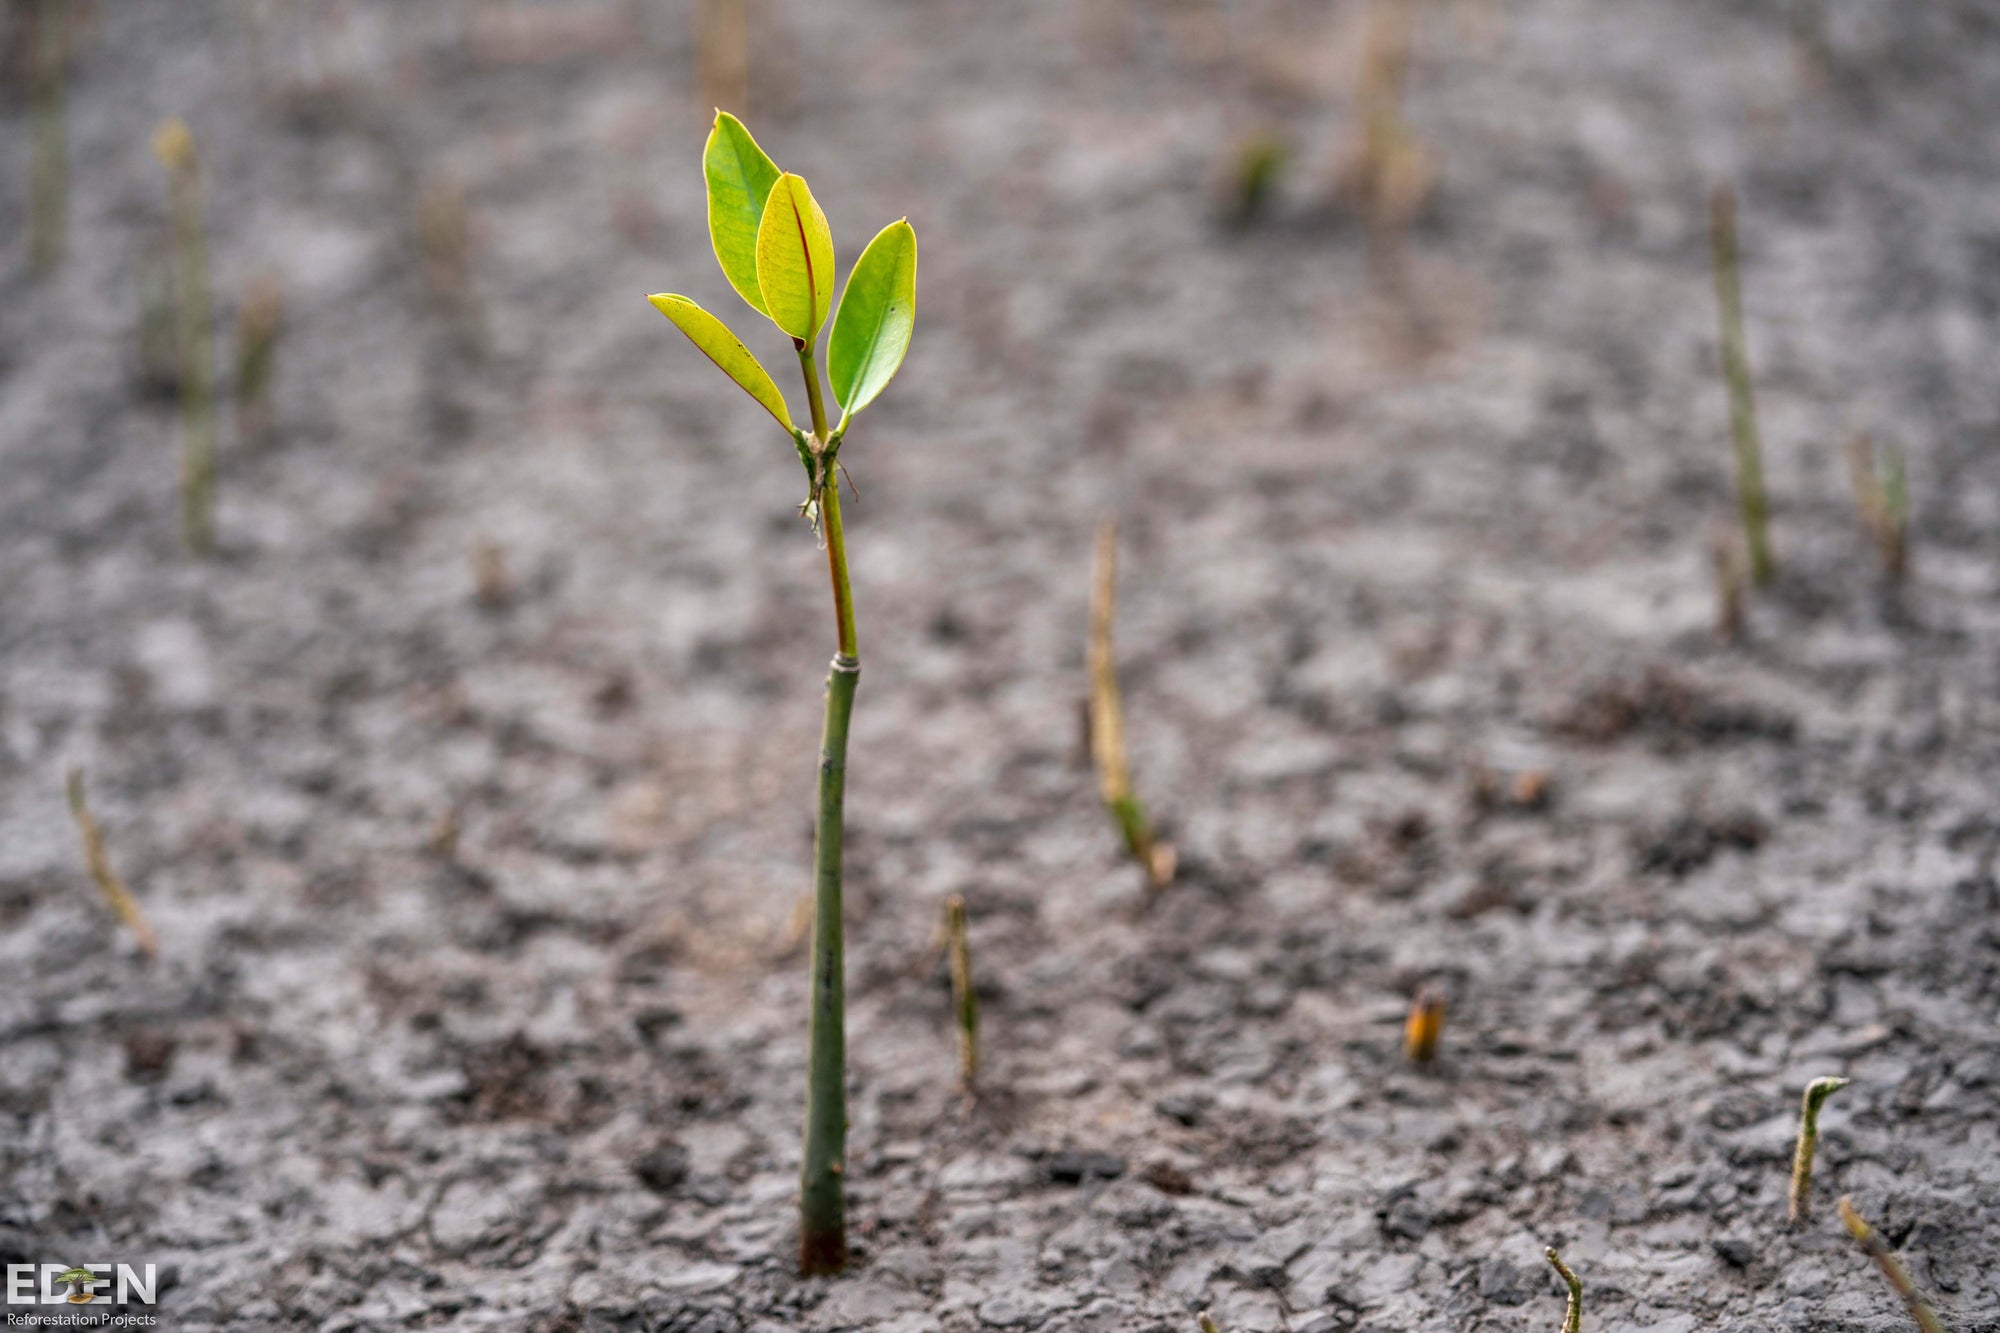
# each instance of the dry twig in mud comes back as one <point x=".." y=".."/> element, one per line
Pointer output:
<point x="1107" y="721"/>
<point x="1876" y="1248"/>
<point x="121" y="899"/>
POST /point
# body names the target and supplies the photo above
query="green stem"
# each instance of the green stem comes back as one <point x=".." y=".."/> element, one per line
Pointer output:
<point x="1742" y="404"/>
<point x="822" y="1203"/>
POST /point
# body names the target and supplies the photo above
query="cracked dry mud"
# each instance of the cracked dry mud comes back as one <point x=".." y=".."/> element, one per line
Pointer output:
<point x="1390" y="524"/>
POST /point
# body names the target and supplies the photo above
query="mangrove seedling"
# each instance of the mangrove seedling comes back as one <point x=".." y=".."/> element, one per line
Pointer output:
<point x="1573" y="1308"/>
<point x="48" y="208"/>
<point x="1107" y="721"/>
<point x="114" y="890"/>
<point x="1208" y="1325"/>
<point x="258" y="325"/>
<point x="964" y="1000"/>
<point x="1742" y="404"/>
<point x="1882" y="498"/>
<point x="1876" y="1248"/>
<point x="194" y="328"/>
<point x="1424" y="1026"/>
<point x="775" y="248"/>
<point x="1816" y="1094"/>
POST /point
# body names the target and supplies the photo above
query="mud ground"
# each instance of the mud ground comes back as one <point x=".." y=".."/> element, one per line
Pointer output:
<point x="480" y="1000"/>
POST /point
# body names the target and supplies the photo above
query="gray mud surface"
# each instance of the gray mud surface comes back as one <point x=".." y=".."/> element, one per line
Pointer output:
<point x="1393" y="519"/>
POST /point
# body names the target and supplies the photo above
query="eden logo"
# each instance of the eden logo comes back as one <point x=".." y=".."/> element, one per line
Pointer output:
<point x="82" y="1282"/>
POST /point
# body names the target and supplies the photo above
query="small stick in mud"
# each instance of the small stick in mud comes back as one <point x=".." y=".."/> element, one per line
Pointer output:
<point x="1573" y="1309"/>
<point x="1816" y="1094"/>
<point x="1107" y="721"/>
<point x="1882" y="498"/>
<point x="121" y="899"/>
<point x="48" y="208"/>
<point x="1742" y="404"/>
<point x="173" y="144"/>
<point x="1876" y="1248"/>
<point x="776" y="249"/>
<point x="258" y="325"/>
<point x="964" y="1000"/>
<point x="1424" y="1026"/>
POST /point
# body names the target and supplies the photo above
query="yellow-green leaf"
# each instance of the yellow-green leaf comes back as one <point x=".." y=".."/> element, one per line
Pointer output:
<point x="724" y="348"/>
<point x="877" y="312"/>
<point x="739" y="178"/>
<point x="795" y="259"/>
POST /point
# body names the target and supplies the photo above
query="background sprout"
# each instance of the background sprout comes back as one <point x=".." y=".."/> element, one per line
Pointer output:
<point x="964" y="999"/>
<point x="114" y="890"/>
<point x="48" y="209"/>
<point x="1876" y="1248"/>
<point x="258" y="325"/>
<point x="1573" y="1307"/>
<point x="776" y="249"/>
<point x="1742" y="404"/>
<point x="1882" y="499"/>
<point x="1107" y="721"/>
<point x="1816" y="1093"/>
<point x="173" y="144"/>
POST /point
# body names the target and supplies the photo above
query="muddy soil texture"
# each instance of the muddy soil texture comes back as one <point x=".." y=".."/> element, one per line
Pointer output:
<point x="468" y="784"/>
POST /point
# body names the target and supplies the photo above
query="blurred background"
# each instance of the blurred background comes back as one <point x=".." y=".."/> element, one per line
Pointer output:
<point x="457" y="742"/>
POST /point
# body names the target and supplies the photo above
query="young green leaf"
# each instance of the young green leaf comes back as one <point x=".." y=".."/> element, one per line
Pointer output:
<point x="877" y="312"/>
<point x="724" y="348"/>
<point x="795" y="259"/>
<point x="739" y="178"/>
